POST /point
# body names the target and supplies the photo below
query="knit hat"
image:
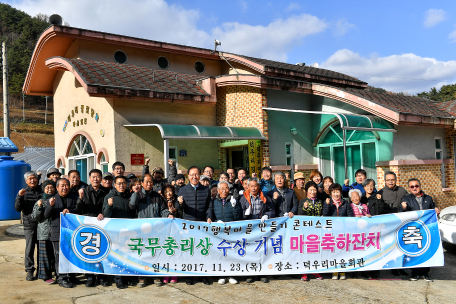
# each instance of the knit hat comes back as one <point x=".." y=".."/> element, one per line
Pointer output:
<point x="46" y="183"/>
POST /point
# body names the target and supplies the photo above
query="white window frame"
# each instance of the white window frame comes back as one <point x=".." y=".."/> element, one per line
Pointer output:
<point x="438" y="150"/>
<point x="288" y="156"/>
<point x="72" y="159"/>
<point x="103" y="163"/>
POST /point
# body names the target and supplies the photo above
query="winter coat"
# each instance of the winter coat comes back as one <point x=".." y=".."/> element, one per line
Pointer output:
<point x="196" y="202"/>
<point x="158" y="185"/>
<point x="286" y="203"/>
<point x="267" y="209"/>
<point x="92" y="201"/>
<point x="314" y="209"/>
<point x="226" y="213"/>
<point x="75" y="190"/>
<point x="393" y="198"/>
<point x="44" y="224"/>
<point x="376" y="206"/>
<point x="343" y="210"/>
<point x="357" y="212"/>
<point x="120" y="207"/>
<point x="26" y="203"/>
<point x="53" y="213"/>
<point x="267" y="187"/>
<point x="300" y="193"/>
<point x="148" y="204"/>
<point x="322" y="196"/>
<point x="355" y="185"/>
<point x="412" y="203"/>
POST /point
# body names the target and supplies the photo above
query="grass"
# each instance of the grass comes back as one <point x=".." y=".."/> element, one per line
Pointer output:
<point x="32" y="132"/>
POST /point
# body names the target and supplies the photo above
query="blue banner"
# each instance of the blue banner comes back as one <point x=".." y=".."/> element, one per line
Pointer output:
<point x="302" y="244"/>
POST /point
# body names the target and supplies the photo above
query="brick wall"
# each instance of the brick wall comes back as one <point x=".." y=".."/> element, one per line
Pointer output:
<point x="241" y="106"/>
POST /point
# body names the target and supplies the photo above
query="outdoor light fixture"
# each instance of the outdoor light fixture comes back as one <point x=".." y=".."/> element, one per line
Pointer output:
<point x="294" y="131"/>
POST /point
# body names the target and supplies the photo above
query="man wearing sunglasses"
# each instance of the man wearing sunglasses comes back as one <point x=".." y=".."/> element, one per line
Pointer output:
<point x="417" y="200"/>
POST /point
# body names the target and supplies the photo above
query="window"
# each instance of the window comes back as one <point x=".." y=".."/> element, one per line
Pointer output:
<point x="120" y="57"/>
<point x="438" y="148"/>
<point x="289" y="153"/>
<point x="81" y="157"/>
<point x="163" y="62"/>
<point x="103" y="164"/>
<point x="173" y="154"/>
<point x="62" y="170"/>
<point x="199" y="67"/>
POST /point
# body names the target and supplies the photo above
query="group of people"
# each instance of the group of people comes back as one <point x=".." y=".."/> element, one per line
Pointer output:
<point x="234" y="196"/>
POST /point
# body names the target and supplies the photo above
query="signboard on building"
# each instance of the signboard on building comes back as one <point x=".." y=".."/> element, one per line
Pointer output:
<point x="255" y="156"/>
<point x="137" y="159"/>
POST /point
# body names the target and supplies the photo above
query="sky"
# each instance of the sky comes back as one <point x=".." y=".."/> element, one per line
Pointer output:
<point x="401" y="46"/>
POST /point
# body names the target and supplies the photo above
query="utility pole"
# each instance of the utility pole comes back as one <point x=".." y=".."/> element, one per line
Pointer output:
<point x="6" y="127"/>
<point x="23" y="107"/>
<point x="45" y="113"/>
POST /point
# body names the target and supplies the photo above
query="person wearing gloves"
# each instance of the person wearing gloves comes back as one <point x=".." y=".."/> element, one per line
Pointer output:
<point x="256" y="205"/>
<point x="337" y="206"/>
<point x="233" y="191"/>
<point x="65" y="203"/>
<point x="310" y="206"/>
<point x="25" y="201"/>
<point x="418" y="200"/>
<point x="284" y="198"/>
<point x="223" y="209"/>
<point x="148" y="204"/>
<point x="45" y="251"/>
<point x="116" y="205"/>
<point x="90" y="203"/>
<point x="194" y="200"/>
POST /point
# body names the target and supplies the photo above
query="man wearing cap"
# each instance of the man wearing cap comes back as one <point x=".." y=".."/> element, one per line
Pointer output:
<point x="157" y="174"/>
<point x="130" y="178"/>
<point x="107" y="180"/>
<point x="205" y="180"/>
<point x="54" y="174"/>
<point x="179" y="182"/>
<point x="300" y="182"/>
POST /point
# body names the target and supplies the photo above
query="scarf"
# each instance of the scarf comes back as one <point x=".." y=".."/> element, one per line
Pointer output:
<point x="337" y="203"/>
<point x="47" y="196"/>
<point x="360" y="208"/>
<point x="312" y="199"/>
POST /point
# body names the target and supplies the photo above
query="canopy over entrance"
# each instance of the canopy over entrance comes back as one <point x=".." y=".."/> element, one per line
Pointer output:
<point x="204" y="132"/>
<point x="200" y="132"/>
<point x="349" y="122"/>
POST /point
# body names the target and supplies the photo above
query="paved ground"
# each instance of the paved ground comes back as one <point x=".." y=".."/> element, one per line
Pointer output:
<point x="15" y="289"/>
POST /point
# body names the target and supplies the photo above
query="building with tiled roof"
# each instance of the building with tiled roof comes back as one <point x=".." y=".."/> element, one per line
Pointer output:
<point x="119" y="98"/>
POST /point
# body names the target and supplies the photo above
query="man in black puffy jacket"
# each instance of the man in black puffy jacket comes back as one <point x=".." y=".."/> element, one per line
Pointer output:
<point x="25" y="200"/>
<point x="417" y="200"/>
<point x="65" y="203"/>
<point x="194" y="200"/>
<point x="90" y="203"/>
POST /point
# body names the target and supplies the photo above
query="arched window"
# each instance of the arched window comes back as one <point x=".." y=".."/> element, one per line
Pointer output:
<point x="361" y="152"/>
<point x="103" y="163"/>
<point x="81" y="157"/>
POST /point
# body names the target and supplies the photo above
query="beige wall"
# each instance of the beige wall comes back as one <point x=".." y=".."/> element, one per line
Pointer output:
<point x="148" y="140"/>
<point x="92" y="50"/>
<point x="67" y="96"/>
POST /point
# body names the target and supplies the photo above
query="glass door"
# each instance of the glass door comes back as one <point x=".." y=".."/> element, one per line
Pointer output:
<point x="81" y="166"/>
<point x="353" y="162"/>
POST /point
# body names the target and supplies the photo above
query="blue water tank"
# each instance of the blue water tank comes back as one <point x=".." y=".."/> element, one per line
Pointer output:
<point x="11" y="181"/>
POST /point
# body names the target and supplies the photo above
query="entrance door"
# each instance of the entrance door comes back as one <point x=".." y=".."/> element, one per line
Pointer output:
<point x="353" y="162"/>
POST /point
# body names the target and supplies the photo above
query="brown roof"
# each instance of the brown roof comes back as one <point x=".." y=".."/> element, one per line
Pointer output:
<point x="448" y="106"/>
<point x="404" y="104"/>
<point x="282" y="67"/>
<point x="135" y="78"/>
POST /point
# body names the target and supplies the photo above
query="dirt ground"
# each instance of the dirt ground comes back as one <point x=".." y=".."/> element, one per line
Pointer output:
<point x="15" y="289"/>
